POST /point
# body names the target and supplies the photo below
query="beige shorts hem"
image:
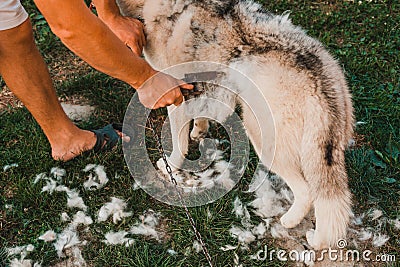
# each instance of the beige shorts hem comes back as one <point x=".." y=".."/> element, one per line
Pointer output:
<point x="15" y="21"/>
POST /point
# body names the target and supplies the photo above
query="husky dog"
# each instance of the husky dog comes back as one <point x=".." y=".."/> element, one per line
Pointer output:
<point x="303" y="84"/>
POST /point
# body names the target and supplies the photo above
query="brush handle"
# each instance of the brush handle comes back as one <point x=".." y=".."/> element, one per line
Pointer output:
<point x="195" y="78"/>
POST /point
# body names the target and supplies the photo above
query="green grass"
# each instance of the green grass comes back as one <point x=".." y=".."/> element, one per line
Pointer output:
<point x="364" y="37"/>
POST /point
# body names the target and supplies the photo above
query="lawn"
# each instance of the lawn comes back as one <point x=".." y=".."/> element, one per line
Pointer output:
<point x="363" y="35"/>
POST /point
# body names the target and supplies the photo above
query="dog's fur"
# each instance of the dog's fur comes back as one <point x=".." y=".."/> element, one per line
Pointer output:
<point x="302" y="83"/>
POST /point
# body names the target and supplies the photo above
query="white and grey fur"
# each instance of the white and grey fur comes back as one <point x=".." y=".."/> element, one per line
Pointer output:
<point x="303" y="84"/>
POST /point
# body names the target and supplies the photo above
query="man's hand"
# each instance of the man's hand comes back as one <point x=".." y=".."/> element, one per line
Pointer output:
<point x="128" y="30"/>
<point x="162" y="90"/>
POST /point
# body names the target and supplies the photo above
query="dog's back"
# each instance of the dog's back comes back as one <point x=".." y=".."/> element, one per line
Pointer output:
<point x="230" y="30"/>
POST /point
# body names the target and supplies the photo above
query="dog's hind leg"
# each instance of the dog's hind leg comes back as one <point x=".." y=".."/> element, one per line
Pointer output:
<point x="302" y="199"/>
<point x="288" y="170"/>
<point x="294" y="178"/>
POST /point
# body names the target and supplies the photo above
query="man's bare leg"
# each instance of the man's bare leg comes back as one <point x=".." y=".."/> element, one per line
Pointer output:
<point x="26" y="74"/>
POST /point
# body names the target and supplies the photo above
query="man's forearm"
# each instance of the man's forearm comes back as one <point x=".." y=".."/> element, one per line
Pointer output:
<point x="93" y="41"/>
<point x="106" y="9"/>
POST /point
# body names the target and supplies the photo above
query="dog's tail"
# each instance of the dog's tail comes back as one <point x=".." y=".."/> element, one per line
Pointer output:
<point x="323" y="166"/>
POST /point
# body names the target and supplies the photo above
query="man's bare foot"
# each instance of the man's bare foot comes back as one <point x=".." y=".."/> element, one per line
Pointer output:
<point x="73" y="146"/>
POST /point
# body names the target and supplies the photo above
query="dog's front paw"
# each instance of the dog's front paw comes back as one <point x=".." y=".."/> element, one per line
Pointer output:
<point x="166" y="176"/>
<point x="162" y="167"/>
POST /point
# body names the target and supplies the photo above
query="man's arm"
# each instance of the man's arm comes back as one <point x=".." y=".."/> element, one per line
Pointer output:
<point x="88" y="37"/>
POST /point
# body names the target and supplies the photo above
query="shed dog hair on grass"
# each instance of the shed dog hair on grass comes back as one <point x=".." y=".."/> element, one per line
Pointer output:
<point x="115" y="208"/>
